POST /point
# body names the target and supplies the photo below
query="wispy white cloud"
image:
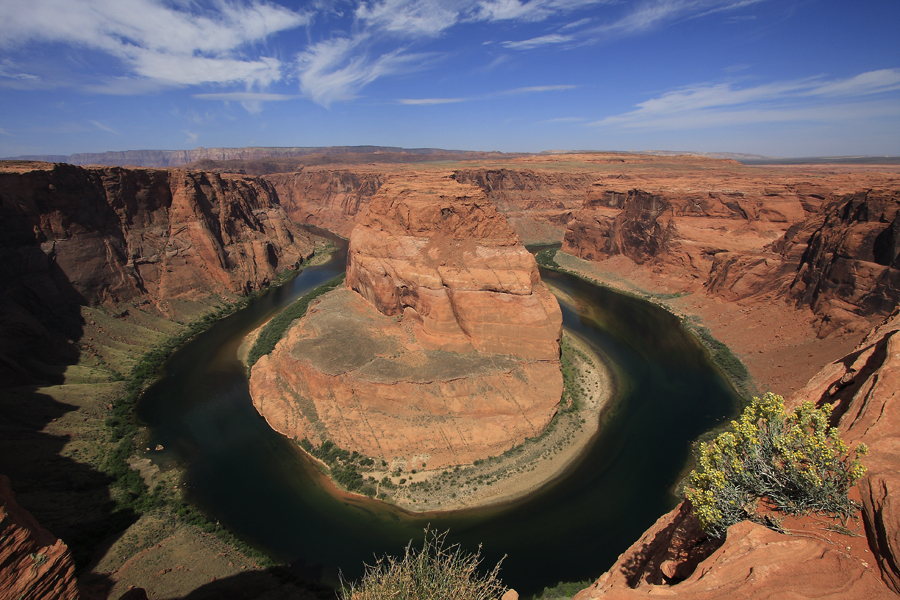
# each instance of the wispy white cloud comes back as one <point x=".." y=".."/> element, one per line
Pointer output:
<point x="536" y="89"/>
<point x="655" y="13"/>
<point x="544" y="40"/>
<point x="103" y="127"/>
<point x="430" y="101"/>
<point x="170" y="42"/>
<point x="10" y="71"/>
<point x="408" y="17"/>
<point x="191" y="136"/>
<point x="812" y="99"/>
<point x="246" y="97"/>
<point x="539" y="88"/>
<point x="337" y="69"/>
<point x="4" y="132"/>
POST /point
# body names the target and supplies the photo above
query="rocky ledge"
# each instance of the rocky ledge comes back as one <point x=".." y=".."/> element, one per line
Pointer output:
<point x="444" y="349"/>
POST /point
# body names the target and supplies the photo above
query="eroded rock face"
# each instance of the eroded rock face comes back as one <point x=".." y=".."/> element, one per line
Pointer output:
<point x="76" y="235"/>
<point x="326" y="198"/>
<point x="754" y="562"/>
<point x="33" y="562"/>
<point x="445" y="351"/>
<point x="681" y="231"/>
<point x="348" y="373"/>
<point x="453" y="264"/>
<point x="536" y="204"/>
<point x="842" y="262"/>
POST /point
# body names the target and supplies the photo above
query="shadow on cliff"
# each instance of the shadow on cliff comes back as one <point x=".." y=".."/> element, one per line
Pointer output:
<point x="40" y="330"/>
<point x="673" y="552"/>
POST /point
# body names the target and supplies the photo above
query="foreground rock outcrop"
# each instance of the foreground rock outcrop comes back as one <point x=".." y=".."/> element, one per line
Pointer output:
<point x="33" y="563"/>
<point x="445" y="351"/>
<point x="675" y="558"/>
<point x="107" y="235"/>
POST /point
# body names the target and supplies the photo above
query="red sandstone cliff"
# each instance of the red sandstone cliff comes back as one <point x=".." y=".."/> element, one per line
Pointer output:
<point x="33" y="563"/>
<point x="674" y="557"/>
<point x="537" y="204"/>
<point x="842" y="262"/>
<point x="329" y="198"/>
<point x="76" y="235"/>
<point x="453" y="264"/>
<point x="446" y="351"/>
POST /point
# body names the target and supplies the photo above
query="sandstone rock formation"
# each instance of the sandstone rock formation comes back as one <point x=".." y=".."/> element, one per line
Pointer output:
<point x="675" y="558"/>
<point x="33" y="563"/>
<point x="841" y="262"/>
<point x="537" y="204"/>
<point x="77" y="235"/>
<point x="446" y="350"/>
<point x="329" y="198"/>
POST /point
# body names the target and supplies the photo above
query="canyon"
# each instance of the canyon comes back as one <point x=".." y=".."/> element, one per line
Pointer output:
<point x="794" y="268"/>
<point x="452" y="332"/>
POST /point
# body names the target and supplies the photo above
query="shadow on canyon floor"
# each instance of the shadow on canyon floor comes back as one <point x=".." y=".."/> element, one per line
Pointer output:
<point x="51" y="422"/>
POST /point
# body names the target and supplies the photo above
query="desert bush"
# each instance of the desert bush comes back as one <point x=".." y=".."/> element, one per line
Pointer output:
<point x="436" y="572"/>
<point x="794" y="460"/>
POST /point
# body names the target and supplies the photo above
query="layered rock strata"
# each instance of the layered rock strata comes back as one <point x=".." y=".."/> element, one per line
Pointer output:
<point x="674" y="557"/>
<point x="444" y="349"/>
<point x="33" y="562"/>
<point x="842" y="262"/>
<point x="75" y="236"/>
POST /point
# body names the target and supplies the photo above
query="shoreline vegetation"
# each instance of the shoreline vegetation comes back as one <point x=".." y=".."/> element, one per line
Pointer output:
<point x="725" y="360"/>
<point x="148" y="503"/>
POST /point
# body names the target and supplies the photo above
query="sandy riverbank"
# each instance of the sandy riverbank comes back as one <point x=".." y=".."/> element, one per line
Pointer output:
<point x="529" y="466"/>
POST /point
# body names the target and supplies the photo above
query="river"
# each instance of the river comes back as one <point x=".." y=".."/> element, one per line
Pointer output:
<point x="262" y="488"/>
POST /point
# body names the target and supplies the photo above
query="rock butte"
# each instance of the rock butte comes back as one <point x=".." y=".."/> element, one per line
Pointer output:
<point x="444" y="348"/>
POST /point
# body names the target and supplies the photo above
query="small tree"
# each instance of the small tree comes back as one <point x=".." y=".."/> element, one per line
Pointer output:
<point x="794" y="460"/>
<point x="435" y="572"/>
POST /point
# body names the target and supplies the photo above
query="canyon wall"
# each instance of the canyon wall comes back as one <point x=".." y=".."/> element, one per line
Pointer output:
<point x="537" y="204"/>
<point x="842" y="262"/>
<point x="834" y="252"/>
<point x="75" y="236"/>
<point x="675" y="558"/>
<point x="444" y="348"/>
<point x="328" y="198"/>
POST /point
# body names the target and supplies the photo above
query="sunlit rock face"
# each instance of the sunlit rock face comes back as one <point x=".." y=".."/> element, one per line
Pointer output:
<point x="451" y="262"/>
<point x="443" y="348"/>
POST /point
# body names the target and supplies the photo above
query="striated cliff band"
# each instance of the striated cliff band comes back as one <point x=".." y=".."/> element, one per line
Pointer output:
<point x="443" y="349"/>
<point x="76" y="236"/>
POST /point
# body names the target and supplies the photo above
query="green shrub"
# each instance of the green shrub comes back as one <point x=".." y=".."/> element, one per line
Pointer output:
<point x="435" y="572"/>
<point x="796" y="461"/>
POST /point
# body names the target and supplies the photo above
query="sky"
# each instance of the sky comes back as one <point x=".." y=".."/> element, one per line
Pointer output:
<point x="773" y="77"/>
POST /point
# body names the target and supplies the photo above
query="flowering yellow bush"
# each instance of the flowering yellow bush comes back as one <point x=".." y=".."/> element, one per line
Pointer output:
<point x="795" y="460"/>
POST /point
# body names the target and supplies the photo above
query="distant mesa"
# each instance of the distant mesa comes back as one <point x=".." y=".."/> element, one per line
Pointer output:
<point x="443" y="348"/>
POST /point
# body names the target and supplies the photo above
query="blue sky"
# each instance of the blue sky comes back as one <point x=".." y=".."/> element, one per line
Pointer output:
<point x="774" y="77"/>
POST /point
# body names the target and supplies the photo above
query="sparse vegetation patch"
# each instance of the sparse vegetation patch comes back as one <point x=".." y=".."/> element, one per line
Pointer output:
<point x="436" y="572"/>
<point x="795" y="461"/>
<point x="274" y="329"/>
